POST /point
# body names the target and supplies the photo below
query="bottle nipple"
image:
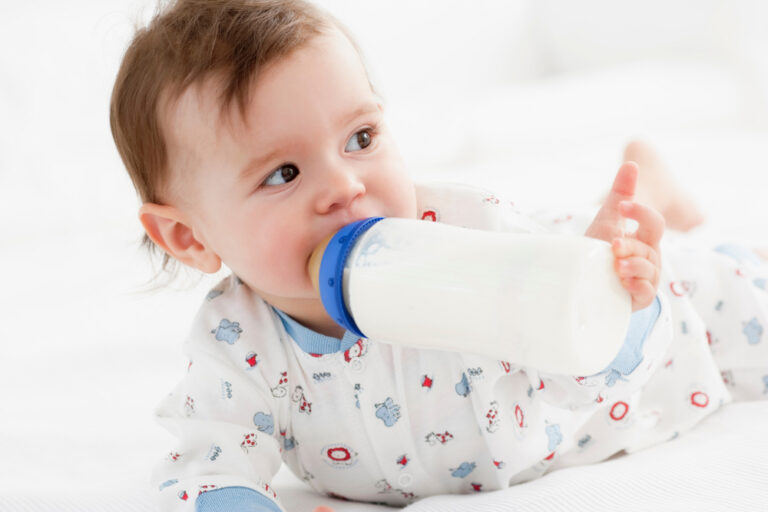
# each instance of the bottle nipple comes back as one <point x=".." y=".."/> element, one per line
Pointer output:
<point x="313" y="265"/>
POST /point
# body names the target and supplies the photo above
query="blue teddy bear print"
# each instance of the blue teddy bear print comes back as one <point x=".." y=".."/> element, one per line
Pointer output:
<point x="463" y="387"/>
<point x="227" y="331"/>
<point x="554" y="435"/>
<point x="463" y="470"/>
<point x="264" y="422"/>
<point x="388" y="412"/>
<point x="753" y="331"/>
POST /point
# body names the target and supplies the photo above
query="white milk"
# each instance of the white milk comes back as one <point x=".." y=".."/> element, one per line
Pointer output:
<point x="550" y="302"/>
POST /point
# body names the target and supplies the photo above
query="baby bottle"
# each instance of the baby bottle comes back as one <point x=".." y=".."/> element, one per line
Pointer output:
<point x="550" y="302"/>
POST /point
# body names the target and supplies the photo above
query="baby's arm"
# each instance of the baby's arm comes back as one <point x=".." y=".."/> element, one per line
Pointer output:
<point x="638" y="264"/>
<point x="222" y="460"/>
<point x="649" y="332"/>
<point x="637" y="255"/>
<point x="224" y="413"/>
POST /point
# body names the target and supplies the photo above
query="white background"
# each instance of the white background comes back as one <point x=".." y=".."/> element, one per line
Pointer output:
<point x="532" y="98"/>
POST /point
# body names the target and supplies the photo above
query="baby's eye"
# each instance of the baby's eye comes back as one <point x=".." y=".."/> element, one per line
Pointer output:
<point x="282" y="174"/>
<point x="360" y="140"/>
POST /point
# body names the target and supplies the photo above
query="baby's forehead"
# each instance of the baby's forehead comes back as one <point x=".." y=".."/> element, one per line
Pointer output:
<point x="324" y="78"/>
<point x="192" y="124"/>
<point x="194" y="112"/>
<point x="209" y="100"/>
<point x="199" y="128"/>
<point x="200" y="116"/>
<point x="201" y="112"/>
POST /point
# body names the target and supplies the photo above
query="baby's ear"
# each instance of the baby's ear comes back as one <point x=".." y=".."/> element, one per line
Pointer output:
<point x="167" y="227"/>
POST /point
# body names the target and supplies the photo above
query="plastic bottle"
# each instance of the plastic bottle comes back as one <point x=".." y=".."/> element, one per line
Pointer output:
<point x="550" y="302"/>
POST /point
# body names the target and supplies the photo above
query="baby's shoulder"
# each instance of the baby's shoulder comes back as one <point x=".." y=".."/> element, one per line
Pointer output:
<point x="471" y="207"/>
<point x="451" y="195"/>
<point x="235" y="322"/>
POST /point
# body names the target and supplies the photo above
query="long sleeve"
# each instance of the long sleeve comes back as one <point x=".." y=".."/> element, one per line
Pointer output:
<point x="224" y="413"/>
<point x="649" y="333"/>
<point x="646" y="342"/>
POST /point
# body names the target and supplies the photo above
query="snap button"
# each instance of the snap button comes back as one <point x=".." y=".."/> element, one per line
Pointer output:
<point x="358" y="365"/>
<point x="405" y="479"/>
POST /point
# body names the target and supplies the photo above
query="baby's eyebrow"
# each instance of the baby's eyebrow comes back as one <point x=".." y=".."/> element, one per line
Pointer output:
<point x="367" y="108"/>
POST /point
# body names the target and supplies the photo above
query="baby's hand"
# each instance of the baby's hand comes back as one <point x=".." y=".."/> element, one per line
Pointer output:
<point x="638" y="257"/>
<point x="323" y="508"/>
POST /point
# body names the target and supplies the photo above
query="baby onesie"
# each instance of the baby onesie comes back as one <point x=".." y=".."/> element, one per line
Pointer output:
<point x="367" y="421"/>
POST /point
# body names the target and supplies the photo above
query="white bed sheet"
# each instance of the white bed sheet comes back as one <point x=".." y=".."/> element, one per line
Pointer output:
<point x="721" y="464"/>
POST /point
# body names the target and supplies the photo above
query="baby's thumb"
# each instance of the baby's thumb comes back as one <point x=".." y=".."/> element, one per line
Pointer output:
<point x="323" y="508"/>
<point x="609" y="222"/>
<point x="625" y="182"/>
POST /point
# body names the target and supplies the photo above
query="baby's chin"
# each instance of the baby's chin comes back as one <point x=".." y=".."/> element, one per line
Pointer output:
<point x="296" y="302"/>
<point x="278" y="286"/>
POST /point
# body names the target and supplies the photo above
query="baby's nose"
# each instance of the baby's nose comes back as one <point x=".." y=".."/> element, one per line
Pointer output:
<point x="339" y="188"/>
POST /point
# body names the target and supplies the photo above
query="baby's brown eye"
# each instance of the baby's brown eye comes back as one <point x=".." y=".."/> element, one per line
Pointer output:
<point x="358" y="141"/>
<point x="289" y="172"/>
<point x="363" y="139"/>
<point x="283" y="174"/>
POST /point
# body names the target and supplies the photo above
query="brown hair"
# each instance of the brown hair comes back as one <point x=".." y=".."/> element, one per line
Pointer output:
<point x="186" y="42"/>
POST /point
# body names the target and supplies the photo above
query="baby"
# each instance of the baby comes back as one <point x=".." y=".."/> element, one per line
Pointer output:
<point x="251" y="132"/>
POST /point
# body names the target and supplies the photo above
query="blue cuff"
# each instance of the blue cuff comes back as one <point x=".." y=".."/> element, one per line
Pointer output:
<point x="631" y="354"/>
<point x="739" y="253"/>
<point x="234" y="499"/>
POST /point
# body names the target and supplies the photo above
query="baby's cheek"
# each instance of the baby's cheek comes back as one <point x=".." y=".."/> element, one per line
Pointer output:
<point x="282" y="264"/>
<point x="260" y="259"/>
<point x="402" y="199"/>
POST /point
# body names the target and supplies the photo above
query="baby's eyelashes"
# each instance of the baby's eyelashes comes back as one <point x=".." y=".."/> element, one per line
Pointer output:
<point x="361" y="140"/>
<point x="282" y="175"/>
<point x="287" y="172"/>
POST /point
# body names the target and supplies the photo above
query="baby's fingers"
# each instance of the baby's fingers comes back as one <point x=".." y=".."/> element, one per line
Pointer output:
<point x="626" y="247"/>
<point x="635" y="267"/>
<point x="650" y="222"/>
<point x="641" y="291"/>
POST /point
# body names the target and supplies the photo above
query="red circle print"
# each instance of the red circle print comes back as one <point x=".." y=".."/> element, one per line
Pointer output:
<point x="699" y="399"/>
<point x="339" y="454"/>
<point x="619" y="410"/>
<point x="677" y="288"/>
<point x="519" y="416"/>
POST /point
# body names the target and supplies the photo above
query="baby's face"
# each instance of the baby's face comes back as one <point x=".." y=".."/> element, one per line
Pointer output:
<point x="310" y="155"/>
